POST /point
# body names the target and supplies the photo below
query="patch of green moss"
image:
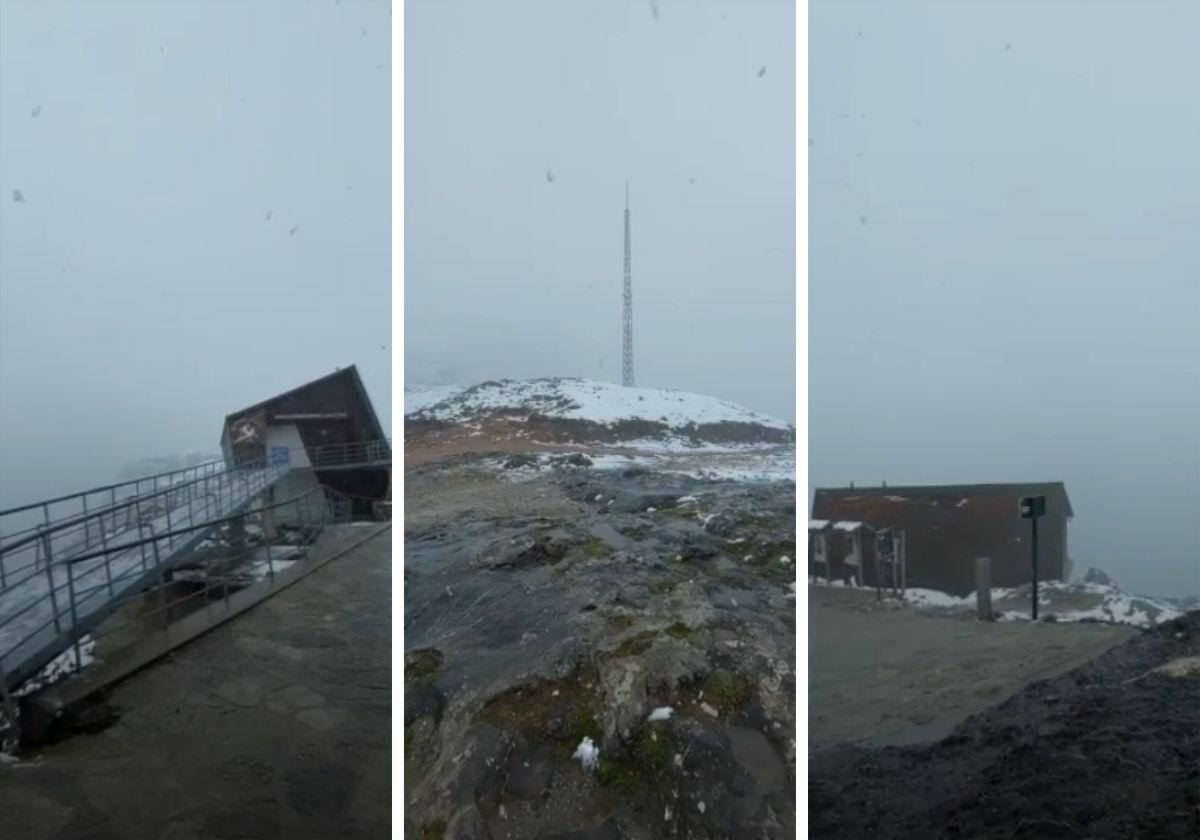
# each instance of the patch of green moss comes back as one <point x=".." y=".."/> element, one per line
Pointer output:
<point x="434" y="830"/>
<point x="639" y="766"/>
<point x="663" y="587"/>
<point x="594" y="547"/>
<point x="529" y="708"/>
<point x="620" y="622"/>
<point x="636" y="644"/>
<point x="423" y="664"/>
<point x="678" y="630"/>
<point x="727" y="692"/>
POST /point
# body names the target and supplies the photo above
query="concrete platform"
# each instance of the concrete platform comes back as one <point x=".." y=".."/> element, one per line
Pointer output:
<point x="275" y="724"/>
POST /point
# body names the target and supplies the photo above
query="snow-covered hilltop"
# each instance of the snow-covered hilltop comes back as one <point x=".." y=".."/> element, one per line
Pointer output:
<point x="590" y="401"/>
<point x="419" y="397"/>
<point x="586" y="409"/>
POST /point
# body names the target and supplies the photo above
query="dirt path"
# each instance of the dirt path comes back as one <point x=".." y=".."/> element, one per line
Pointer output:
<point x="897" y="676"/>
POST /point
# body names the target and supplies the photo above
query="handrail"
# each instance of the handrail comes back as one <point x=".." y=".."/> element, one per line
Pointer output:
<point x="104" y="488"/>
<point x="132" y="501"/>
<point x="167" y="535"/>
<point x="81" y="613"/>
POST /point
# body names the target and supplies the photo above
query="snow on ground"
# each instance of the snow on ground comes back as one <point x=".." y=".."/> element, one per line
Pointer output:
<point x="661" y="713"/>
<point x="1104" y="603"/>
<point x="766" y="464"/>
<point x="599" y="402"/>
<point x="587" y="753"/>
<point x="61" y="666"/>
<point x="421" y="397"/>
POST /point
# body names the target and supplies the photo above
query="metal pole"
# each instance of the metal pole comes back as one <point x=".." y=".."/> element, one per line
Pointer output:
<point x="50" y="578"/>
<point x="1035" y="569"/>
<point x="74" y="615"/>
<point x="87" y="531"/>
<point x="270" y="565"/>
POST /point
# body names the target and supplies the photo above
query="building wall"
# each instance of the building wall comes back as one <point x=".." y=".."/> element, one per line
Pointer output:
<point x="945" y="532"/>
<point x="288" y="435"/>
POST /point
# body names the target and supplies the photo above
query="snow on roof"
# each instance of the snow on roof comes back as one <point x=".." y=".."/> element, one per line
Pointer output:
<point x="599" y="402"/>
<point x="818" y="524"/>
<point x="847" y="526"/>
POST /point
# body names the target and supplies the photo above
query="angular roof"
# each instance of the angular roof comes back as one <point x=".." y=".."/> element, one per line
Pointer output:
<point x="1036" y="488"/>
<point x="350" y="373"/>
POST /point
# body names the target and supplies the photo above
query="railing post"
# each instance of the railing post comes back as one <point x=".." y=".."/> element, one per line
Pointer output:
<point x="107" y="556"/>
<point x="50" y="578"/>
<point x="74" y="615"/>
<point x="87" y="531"/>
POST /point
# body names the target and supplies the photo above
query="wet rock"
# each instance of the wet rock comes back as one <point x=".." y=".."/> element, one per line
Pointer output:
<point x="642" y="502"/>
<point x="624" y="687"/>
<point x="514" y="462"/>
<point x="530" y="770"/>
<point x="670" y="664"/>
<point x="542" y="550"/>
<point x="467" y="824"/>
<point x="576" y="460"/>
<point x="697" y="548"/>
<point x="607" y="830"/>
<point x="423" y="699"/>
<point x="482" y="762"/>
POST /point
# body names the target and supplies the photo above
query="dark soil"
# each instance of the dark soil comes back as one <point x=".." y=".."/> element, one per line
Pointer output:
<point x="1108" y="750"/>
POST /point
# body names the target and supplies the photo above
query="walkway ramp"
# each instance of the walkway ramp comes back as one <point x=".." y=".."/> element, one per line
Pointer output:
<point x="62" y="578"/>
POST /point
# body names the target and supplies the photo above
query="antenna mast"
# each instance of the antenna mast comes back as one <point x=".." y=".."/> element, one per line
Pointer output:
<point x="627" y="338"/>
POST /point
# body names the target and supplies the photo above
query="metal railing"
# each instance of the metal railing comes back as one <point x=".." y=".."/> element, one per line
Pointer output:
<point x="25" y="551"/>
<point x="24" y="518"/>
<point x="342" y="454"/>
<point x="243" y="551"/>
<point x="82" y="583"/>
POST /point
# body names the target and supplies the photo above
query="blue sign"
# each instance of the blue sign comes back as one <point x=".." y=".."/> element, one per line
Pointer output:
<point x="281" y="455"/>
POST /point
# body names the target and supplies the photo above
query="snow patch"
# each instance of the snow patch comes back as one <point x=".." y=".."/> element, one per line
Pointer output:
<point x="595" y="401"/>
<point x="587" y="753"/>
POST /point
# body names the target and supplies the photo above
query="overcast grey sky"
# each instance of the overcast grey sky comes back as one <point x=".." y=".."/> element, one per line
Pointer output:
<point x="1005" y="265"/>
<point x="509" y="274"/>
<point x="143" y="291"/>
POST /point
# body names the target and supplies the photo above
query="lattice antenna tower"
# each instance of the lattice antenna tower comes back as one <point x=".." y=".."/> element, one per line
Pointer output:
<point x="627" y="333"/>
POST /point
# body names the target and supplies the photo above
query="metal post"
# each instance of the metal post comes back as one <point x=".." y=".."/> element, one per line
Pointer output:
<point x="107" y="556"/>
<point x="87" y="531"/>
<point x="170" y="539"/>
<point x="50" y="578"/>
<point x="983" y="588"/>
<point x="1035" y="569"/>
<point x="74" y="615"/>
<point x="270" y="565"/>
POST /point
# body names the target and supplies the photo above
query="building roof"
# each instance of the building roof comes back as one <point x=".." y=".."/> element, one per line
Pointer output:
<point x="1055" y="489"/>
<point x="350" y="373"/>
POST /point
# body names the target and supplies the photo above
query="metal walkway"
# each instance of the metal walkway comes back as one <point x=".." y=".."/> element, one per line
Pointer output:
<point x="67" y="563"/>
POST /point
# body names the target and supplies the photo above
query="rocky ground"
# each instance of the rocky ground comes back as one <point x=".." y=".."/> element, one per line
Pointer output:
<point x="1110" y="749"/>
<point x="551" y="607"/>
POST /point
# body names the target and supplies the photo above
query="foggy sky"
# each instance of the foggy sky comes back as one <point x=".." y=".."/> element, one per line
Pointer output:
<point x="143" y="292"/>
<point x="1004" y="268"/>
<point x="508" y="274"/>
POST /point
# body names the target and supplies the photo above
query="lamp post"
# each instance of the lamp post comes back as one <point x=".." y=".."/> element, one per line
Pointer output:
<point x="1034" y="508"/>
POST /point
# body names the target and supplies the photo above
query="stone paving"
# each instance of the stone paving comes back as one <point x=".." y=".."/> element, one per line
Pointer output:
<point x="275" y="725"/>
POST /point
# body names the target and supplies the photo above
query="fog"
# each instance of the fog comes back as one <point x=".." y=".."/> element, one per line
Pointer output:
<point x="194" y="215"/>
<point x="523" y="122"/>
<point x="1004" y="273"/>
